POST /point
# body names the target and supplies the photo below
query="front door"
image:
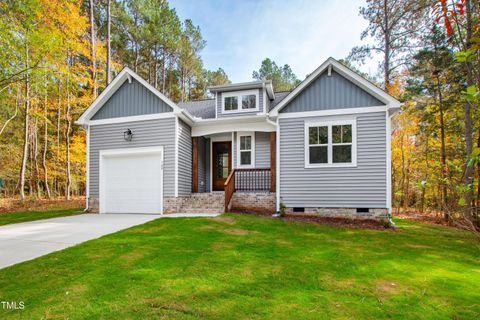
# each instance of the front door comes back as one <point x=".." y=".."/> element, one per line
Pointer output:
<point x="222" y="164"/>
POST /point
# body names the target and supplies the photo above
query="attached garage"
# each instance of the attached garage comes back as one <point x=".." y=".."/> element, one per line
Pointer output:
<point x="131" y="180"/>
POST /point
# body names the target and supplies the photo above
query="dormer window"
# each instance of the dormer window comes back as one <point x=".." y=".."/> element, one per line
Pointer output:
<point x="240" y="101"/>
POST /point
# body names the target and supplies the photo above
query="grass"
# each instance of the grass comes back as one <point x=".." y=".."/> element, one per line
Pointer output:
<point x="239" y="267"/>
<point x="24" y="216"/>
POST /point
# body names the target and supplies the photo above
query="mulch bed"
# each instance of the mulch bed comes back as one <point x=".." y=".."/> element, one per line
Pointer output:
<point x="337" y="222"/>
<point x="341" y="222"/>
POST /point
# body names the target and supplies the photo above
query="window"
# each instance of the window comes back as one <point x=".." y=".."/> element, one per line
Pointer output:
<point x="241" y="101"/>
<point x="330" y="143"/>
<point x="246" y="150"/>
<point x="249" y="101"/>
<point x="231" y="103"/>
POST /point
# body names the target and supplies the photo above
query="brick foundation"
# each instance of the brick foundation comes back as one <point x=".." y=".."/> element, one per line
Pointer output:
<point x="93" y="206"/>
<point x="261" y="202"/>
<point x="208" y="202"/>
<point x="346" y="213"/>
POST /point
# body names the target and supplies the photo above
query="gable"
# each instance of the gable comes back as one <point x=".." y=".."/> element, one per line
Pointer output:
<point x="331" y="92"/>
<point x="131" y="99"/>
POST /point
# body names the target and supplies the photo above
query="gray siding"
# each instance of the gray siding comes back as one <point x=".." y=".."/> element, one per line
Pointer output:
<point x="348" y="187"/>
<point x="131" y="99"/>
<point x="262" y="150"/>
<point x="239" y="114"/>
<point x="158" y="132"/>
<point x="184" y="159"/>
<point x="331" y="92"/>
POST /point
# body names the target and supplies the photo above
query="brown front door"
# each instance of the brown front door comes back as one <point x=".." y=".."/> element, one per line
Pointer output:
<point x="222" y="164"/>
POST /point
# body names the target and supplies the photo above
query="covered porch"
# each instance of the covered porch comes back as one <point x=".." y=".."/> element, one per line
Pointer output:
<point x="238" y="161"/>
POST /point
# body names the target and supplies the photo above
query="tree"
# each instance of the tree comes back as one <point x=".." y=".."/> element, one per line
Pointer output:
<point x="393" y="25"/>
<point x="458" y="18"/>
<point x="109" y="52"/>
<point x="217" y="78"/>
<point x="283" y="78"/>
<point x="433" y="83"/>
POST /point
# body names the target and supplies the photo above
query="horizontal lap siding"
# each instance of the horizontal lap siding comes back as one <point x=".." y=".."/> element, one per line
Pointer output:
<point x="159" y="132"/>
<point x="238" y="114"/>
<point x="262" y="149"/>
<point x="131" y="99"/>
<point x="184" y="159"/>
<point x="361" y="186"/>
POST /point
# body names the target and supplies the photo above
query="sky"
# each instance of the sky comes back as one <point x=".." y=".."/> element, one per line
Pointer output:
<point x="301" y="33"/>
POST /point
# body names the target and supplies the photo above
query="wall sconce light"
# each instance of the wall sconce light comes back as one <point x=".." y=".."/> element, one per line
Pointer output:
<point x="128" y="135"/>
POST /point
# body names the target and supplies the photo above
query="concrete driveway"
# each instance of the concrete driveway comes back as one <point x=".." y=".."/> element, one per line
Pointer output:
<point x="25" y="241"/>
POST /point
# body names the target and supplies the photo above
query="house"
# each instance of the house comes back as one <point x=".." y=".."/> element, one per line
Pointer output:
<point x="323" y="148"/>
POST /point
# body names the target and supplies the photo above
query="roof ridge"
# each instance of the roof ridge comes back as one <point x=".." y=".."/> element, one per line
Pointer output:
<point x="196" y="100"/>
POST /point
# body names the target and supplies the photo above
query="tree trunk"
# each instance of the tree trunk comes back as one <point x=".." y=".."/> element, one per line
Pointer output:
<point x="35" y="158"/>
<point x="67" y="133"/>
<point x="164" y="72"/>
<point x="17" y="102"/>
<point x="109" y="21"/>
<point x="59" y="115"/>
<point x="45" y="144"/>
<point x="25" y="124"/>
<point x="92" y="51"/>
<point x="386" y="62"/>
<point x="442" y="151"/>
<point x="467" y="180"/>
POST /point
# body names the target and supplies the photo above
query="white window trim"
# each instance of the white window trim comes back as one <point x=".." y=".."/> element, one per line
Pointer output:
<point x="239" y="95"/>
<point x="252" y="152"/>
<point x="329" y="124"/>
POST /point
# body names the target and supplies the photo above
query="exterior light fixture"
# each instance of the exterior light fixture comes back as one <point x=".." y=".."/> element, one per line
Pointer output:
<point x="128" y="135"/>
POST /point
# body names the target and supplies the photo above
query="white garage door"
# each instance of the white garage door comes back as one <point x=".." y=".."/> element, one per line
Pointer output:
<point x="131" y="181"/>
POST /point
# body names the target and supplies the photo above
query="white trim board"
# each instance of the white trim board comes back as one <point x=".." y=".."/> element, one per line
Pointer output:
<point x="144" y="117"/>
<point x="332" y="112"/>
<point x="177" y="128"/>
<point x="330" y="144"/>
<point x="389" y="161"/>
<point x="239" y="94"/>
<point x="126" y="151"/>
<point x="363" y="83"/>
<point x="250" y="134"/>
<point x="87" y="169"/>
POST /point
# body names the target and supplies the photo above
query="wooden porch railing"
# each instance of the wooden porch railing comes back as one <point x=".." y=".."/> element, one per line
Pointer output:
<point x="229" y="188"/>
<point x="257" y="179"/>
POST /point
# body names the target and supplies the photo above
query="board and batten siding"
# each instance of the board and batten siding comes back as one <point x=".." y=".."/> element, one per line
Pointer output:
<point x="331" y="92"/>
<point x="131" y="99"/>
<point x="239" y="114"/>
<point x="184" y="159"/>
<point x="148" y="133"/>
<point x="334" y="187"/>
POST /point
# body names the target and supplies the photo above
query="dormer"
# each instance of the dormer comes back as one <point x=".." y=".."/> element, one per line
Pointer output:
<point x="242" y="99"/>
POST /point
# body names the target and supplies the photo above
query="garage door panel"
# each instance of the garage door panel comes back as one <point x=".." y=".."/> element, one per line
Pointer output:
<point x="133" y="183"/>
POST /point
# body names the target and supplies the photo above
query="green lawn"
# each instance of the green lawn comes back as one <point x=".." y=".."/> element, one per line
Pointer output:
<point x="17" y="217"/>
<point x="241" y="266"/>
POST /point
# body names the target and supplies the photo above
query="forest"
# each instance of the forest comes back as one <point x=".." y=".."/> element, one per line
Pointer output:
<point x="57" y="56"/>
